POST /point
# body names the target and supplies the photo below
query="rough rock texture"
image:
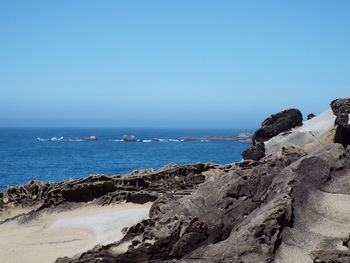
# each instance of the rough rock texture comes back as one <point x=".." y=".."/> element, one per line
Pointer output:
<point x="341" y="108"/>
<point x="275" y="124"/>
<point x="290" y="206"/>
<point x="253" y="215"/>
<point x="255" y="152"/>
<point x="138" y="187"/>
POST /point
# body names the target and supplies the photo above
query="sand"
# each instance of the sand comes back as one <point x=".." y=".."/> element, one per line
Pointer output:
<point x="66" y="233"/>
<point x="323" y="221"/>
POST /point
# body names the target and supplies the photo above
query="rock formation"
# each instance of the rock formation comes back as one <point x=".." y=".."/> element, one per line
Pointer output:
<point x="341" y="109"/>
<point x="290" y="205"/>
<point x="272" y="126"/>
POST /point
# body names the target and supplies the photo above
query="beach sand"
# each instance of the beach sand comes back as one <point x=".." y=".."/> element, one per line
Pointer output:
<point x="66" y="233"/>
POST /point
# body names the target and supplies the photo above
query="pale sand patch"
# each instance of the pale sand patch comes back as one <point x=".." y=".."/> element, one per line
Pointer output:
<point x="323" y="221"/>
<point x="66" y="233"/>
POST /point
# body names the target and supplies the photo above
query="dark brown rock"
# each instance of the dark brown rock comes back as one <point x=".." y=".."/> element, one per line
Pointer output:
<point x="270" y="127"/>
<point x="254" y="152"/>
<point x="277" y="123"/>
<point x="341" y="109"/>
<point x="310" y="116"/>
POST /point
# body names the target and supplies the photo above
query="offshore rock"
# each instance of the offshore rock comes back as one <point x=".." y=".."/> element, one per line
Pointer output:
<point x="129" y="138"/>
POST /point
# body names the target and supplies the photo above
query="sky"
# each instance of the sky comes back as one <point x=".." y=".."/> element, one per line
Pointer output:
<point x="156" y="63"/>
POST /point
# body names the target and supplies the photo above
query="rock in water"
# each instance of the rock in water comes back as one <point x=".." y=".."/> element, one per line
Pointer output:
<point x="129" y="138"/>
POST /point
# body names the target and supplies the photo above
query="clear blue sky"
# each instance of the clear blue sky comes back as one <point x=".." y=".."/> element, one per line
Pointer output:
<point x="169" y="63"/>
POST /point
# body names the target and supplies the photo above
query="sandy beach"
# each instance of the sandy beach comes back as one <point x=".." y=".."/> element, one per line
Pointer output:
<point x="67" y="233"/>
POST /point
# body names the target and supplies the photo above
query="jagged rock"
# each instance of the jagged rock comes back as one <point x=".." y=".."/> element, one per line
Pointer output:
<point x="277" y="123"/>
<point x="270" y="127"/>
<point x="255" y="207"/>
<point x="254" y="152"/>
<point x="138" y="186"/>
<point x="341" y="108"/>
<point x="283" y="207"/>
<point x="192" y="227"/>
<point x="310" y="116"/>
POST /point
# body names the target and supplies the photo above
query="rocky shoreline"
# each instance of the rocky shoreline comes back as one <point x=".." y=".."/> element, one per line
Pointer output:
<point x="287" y="201"/>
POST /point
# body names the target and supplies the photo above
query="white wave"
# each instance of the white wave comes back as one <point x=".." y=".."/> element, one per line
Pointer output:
<point x="56" y="139"/>
<point x="146" y="140"/>
<point x="115" y="140"/>
<point x="174" y="140"/>
<point x="42" y="140"/>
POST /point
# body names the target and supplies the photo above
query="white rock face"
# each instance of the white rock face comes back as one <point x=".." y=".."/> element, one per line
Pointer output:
<point x="312" y="131"/>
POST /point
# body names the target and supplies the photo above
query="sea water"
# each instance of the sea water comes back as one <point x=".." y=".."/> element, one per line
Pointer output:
<point x="23" y="157"/>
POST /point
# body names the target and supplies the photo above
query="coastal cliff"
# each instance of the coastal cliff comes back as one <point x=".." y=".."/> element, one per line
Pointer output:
<point x="287" y="201"/>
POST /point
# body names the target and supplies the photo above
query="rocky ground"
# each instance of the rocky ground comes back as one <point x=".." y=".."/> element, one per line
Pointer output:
<point x="288" y="201"/>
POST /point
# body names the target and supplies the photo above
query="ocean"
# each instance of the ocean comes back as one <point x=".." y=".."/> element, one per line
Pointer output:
<point x="23" y="157"/>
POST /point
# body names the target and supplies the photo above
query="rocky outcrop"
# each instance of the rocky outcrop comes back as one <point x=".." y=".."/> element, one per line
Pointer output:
<point x="129" y="138"/>
<point x="255" y="152"/>
<point x="289" y="206"/>
<point x="272" y="126"/>
<point x="241" y="137"/>
<point x="258" y="212"/>
<point x="137" y="187"/>
<point x="341" y="109"/>
<point x="187" y="228"/>
<point x="277" y="123"/>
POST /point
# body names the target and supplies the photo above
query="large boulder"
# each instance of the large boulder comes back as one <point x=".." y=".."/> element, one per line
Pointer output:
<point x="270" y="127"/>
<point x="277" y="123"/>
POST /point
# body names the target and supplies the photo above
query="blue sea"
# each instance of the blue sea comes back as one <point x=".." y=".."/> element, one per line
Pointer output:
<point x="23" y="157"/>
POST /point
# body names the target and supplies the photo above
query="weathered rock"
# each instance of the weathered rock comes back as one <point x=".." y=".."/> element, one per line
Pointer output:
<point x="139" y="187"/>
<point x="283" y="208"/>
<point x="270" y="127"/>
<point x="254" y="152"/>
<point x="277" y="123"/>
<point x="253" y="210"/>
<point x="310" y="116"/>
<point x="341" y="108"/>
<point x="196" y="228"/>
